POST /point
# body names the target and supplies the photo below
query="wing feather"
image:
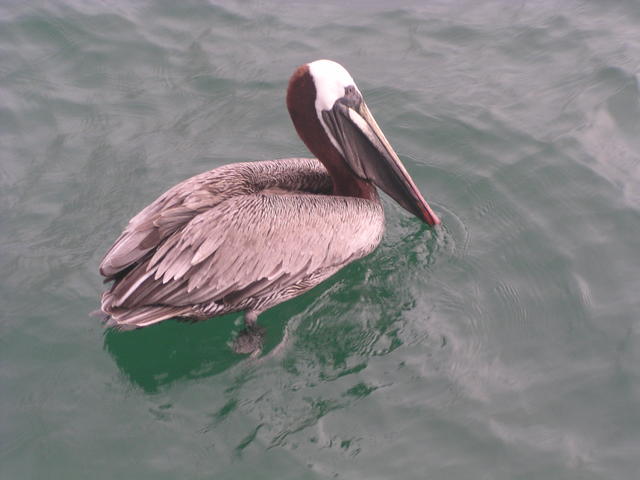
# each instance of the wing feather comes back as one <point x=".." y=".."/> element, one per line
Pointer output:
<point x="147" y="233"/>
<point x="251" y="244"/>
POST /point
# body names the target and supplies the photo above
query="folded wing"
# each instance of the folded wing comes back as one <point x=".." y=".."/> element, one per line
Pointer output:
<point x="212" y="245"/>
<point x="247" y="248"/>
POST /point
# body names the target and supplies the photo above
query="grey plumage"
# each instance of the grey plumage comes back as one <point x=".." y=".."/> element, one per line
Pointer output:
<point x="242" y="237"/>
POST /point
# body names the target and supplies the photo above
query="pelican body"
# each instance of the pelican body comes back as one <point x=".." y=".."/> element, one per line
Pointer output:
<point x="248" y="236"/>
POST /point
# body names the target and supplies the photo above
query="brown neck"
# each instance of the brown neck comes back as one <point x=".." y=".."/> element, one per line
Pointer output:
<point x="301" y="96"/>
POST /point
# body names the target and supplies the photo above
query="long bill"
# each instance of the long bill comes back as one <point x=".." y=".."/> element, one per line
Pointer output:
<point x="371" y="157"/>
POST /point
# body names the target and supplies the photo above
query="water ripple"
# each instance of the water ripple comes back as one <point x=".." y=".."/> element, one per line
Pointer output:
<point x="504" y="342"/>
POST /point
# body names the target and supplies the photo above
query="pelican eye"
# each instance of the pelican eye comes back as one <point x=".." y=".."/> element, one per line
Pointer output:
<point x="351" y="97"/>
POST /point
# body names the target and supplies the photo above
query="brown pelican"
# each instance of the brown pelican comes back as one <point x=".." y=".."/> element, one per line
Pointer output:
<point x="248" y="236"/>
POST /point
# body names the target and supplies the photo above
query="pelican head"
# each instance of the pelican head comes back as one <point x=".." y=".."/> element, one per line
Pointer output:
<point x="331" y="117"/>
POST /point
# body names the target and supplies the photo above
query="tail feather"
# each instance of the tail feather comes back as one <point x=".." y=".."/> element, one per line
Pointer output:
<point x="124" y="319"/>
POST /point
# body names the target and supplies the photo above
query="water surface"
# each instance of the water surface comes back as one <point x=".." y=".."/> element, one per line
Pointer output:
<point x="503" y="345"/>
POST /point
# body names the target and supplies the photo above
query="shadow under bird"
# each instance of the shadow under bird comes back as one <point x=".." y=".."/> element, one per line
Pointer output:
<point x="248" y="236"/>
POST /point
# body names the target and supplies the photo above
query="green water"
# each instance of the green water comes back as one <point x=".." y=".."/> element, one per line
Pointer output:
<point x="504" y="345"/>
